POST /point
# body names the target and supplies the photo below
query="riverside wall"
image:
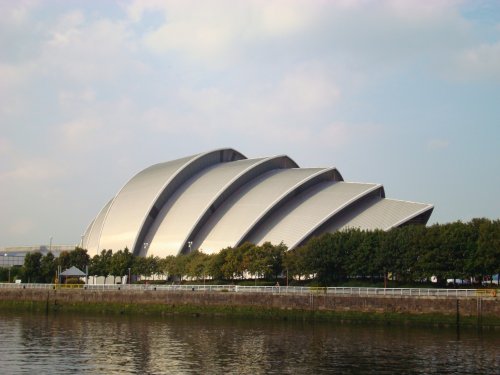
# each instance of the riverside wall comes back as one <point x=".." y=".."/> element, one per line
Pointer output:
<point x="480" y="310"/>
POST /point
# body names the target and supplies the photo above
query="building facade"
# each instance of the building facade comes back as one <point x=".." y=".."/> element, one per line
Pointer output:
<point x="220" y="198"/>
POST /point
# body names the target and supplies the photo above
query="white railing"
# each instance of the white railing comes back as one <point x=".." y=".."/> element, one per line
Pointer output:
<point x="346" y="291"/>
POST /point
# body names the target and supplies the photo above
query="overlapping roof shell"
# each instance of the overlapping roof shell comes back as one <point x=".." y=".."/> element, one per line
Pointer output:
<point x="220" y="198"/>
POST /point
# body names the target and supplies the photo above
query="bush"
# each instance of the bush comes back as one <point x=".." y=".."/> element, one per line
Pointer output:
<point x="74" y="280"/>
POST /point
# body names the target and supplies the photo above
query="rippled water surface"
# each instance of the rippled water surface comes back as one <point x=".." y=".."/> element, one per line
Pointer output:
<point x="72" y="344"/>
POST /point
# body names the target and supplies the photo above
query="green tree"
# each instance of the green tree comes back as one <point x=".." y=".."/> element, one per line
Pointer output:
<point x="4" y="274"/>
<point x="488" y="248"/>
<point x="146" y="266"/>
<point x="139" y="266"/>
<point x="255" y="260"/>
<point x="121" y="261"/>
<point x="180" y="268"/>
<point x="233" y="266"/>
<point x="197" y="265"/>
<point x="48" y="268"/>
<point x="167" y="266"/>
<point x="216" y="264"/>
<point x="100" y="264"/>
<point x="326" y="257"/>
<point x="295" y="263"/>
<point x="273" y="258"/>
<point x="358" y="252"/>
<point x="64" y="260"/>
<point x="32" y="267"/>
<point x="79" y="258"/>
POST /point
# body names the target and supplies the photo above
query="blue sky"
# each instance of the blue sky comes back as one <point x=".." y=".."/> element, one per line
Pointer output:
<point x="403" y="93"/>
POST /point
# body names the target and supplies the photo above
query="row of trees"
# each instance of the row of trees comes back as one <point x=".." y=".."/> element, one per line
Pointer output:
<point x="409" y="254"/>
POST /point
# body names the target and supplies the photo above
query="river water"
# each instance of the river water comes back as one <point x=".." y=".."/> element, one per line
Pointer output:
<point x="70" y="344"/>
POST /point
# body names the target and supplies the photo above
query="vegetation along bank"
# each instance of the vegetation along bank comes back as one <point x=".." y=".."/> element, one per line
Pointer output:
<point x="412" y="254"/>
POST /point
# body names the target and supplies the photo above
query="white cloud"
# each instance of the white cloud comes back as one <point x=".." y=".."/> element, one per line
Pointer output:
<point x="437" y="144"/>
<point x="218" y="33"/>
<point x="94" y="126"/>
<point x="15" y="13"/>
<point x="78" y="134"/>
<point x="67" y="29"/>
<point x="88" y="52"/>
<point x="19" y="227"/>
<point x="477" y="63"/>
<point x="13" y="81"/>
<point x="285" y="109"/>
<point x="308" y="88"/>
<point x="5" y="146"/>
<point x="36" y="169"/>
<point x="75" y="98"/>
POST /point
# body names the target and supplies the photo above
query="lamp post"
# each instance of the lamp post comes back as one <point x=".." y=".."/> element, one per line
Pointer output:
<point x="129" y="281"/>
<point x="190" y="243"/>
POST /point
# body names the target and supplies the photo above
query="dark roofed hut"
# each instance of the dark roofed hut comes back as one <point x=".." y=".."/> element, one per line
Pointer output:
<point x="72" y="272"/>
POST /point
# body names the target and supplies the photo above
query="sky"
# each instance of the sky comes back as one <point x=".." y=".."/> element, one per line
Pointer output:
<point x="402" y="93"/>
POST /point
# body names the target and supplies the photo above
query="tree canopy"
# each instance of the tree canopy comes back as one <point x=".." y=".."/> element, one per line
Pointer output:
<point x="411" y="253"/>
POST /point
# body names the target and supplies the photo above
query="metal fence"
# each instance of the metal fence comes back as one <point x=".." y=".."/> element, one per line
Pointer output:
<point x="345" y="291"/>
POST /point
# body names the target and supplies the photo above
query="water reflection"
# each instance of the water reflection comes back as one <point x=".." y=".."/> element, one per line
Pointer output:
<point x="180" y="345"/>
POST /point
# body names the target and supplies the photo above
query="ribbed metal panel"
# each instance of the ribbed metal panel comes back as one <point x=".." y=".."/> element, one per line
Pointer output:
<point x="138" y="202"/>
<point x="91" y="240"/>
<point x="386" y="213"/>
<point x="241" y="210"/>
<point x="308" y="210"/>
<point x="220" y="198"/>
<point x="183" y="210"/>
<point x="131" y="205"/>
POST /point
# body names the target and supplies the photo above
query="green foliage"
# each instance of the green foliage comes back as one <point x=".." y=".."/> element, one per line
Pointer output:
<point x="48" y="268"/>
<point x="121" y="261"/>
<point x="32" y="267"/>
<point x="147" y="266"/>
<point x="74" y="280"/>
<point x="487" y="260"/>
<point x="408" y="254"/>
<point x="295" y="263"/>
<point x="215" y="263"/>
<point x="166" y="265"/>
<point x="100" y="264"/>
<point x="79" y="258"/>
<point x="197" y="265"/>
<point x="326" y="256"/>
<point x="76" y="258"/>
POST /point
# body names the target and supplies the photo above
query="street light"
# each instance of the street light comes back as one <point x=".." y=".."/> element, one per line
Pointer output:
<point x="190" y="243"/>
<point x="129" y="276"/>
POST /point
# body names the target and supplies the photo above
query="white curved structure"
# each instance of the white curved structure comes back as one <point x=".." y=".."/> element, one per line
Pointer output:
<point x="220" y="198"/>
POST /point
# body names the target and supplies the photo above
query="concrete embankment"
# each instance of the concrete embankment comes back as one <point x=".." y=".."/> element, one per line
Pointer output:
<point x="480" y="310"/>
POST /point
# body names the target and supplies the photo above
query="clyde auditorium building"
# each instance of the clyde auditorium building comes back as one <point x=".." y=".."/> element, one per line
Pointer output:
<point x="220" y="198"/>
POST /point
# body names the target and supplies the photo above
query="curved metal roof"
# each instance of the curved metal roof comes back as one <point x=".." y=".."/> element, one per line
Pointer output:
<point x="219" y="199"/>
<point x="197" y="198"/>
<point x="244" y="210"/>
<point x="298" y="219"/>
<point x="387" y="213"/>
<point x="139" y="199"/>
<point x="93" y="234"/>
